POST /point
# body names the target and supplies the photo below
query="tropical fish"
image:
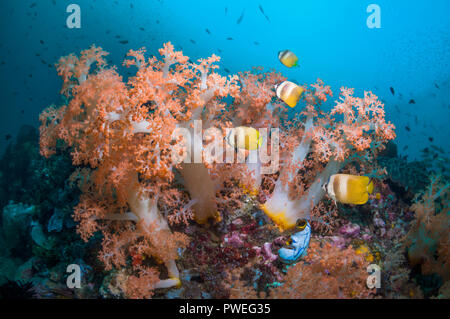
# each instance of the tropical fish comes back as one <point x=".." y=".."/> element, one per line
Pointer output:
<point x="349" y="189"/>
<point x="289" y="92"/>
<point x="288" y="58"/>
<point x="392" y="90"/>
<point x="412" y="101"/>
<point x="244" y="137"/>
<point x="241" y="17"/>
<point x="263" y="13"/>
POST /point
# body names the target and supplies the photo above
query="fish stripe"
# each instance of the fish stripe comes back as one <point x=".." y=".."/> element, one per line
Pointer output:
<point x="289" y="92"/>
<point x="337" y="189"/>
<point x="282" y="54"/>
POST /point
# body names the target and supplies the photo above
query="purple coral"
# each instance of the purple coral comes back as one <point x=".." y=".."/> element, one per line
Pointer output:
<point x="235" y="239"/>
<point x="350" y="230"/>
<point x="267" y="251"/>
<point x="338" y="241"/>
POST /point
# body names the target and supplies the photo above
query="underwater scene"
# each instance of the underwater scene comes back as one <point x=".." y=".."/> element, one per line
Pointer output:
<point x="171" y="149"/>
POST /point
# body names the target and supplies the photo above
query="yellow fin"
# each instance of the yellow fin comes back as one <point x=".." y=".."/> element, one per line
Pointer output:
<point x="253" y="139"/>
<point x="370" y="187"/>
<point x="259" y="139"/>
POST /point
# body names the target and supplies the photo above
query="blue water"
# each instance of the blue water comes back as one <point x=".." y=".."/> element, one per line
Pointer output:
<point x="410" y="52"/>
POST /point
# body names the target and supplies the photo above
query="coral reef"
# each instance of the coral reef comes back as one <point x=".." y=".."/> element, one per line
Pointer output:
<point x="410" y="175"/>
<point x="119" y="192"/>
<point x="326" y="272"/>
<point x="123" y="134"/>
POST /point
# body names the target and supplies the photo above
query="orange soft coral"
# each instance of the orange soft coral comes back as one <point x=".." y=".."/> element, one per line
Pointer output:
<point x="255" y="104"/>
<point x="354" y="126"/>
<point x="123" y="131"/>
<point x="428" y="240"/>
<point x="326" y="272"/>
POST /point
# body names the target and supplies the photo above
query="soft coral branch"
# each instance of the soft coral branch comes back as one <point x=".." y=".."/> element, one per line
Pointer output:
<point x="332" y="141"/>
<point x="123" y="131"/>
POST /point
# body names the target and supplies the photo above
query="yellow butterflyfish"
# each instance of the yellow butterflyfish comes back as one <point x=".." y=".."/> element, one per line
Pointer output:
<point x="349" y="189"/>
<point x="244" y="137"/>
<point x="289" y="92"/>
<point x="288" y="58"/>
